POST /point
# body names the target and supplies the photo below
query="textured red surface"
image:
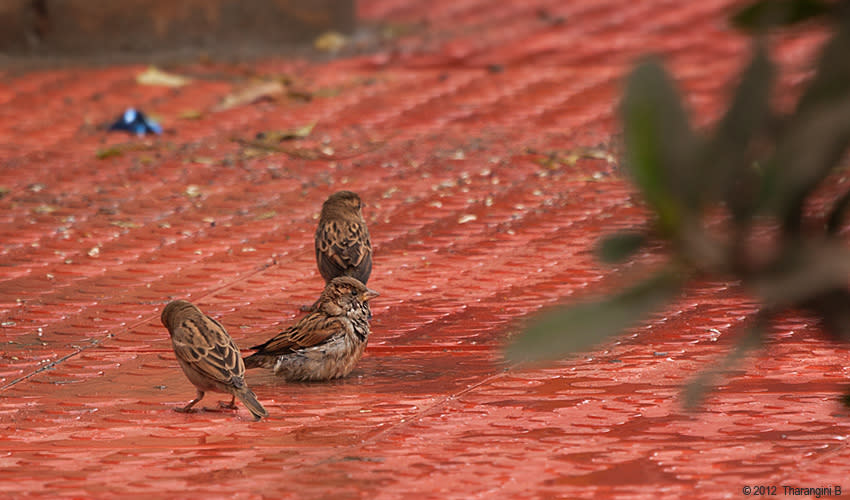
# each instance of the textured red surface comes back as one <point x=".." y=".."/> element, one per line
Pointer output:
<point x="470" y="233"/>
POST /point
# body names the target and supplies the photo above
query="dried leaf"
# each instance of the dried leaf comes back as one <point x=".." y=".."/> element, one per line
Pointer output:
<point x="330" y="41"/>
<point x="276" y="136"/>
<point x="109" y="152"/>
<point x="45" y="209"/>
<point x="192" y="191"/>
<point x="266" y="215"/>
<point x="191" y="114"/>
<point x="157" y="77"/>
<point x="252" y="93"/>
<point x="124" y="224"/>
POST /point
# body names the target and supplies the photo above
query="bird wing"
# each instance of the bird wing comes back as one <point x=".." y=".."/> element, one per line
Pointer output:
<point x="343" y="245"/>
<point x="206" y="347"/>
<point x="314" y="329"/>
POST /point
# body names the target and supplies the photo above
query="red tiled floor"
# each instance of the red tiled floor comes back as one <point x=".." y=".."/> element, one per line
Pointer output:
<point x="471" y="235"/>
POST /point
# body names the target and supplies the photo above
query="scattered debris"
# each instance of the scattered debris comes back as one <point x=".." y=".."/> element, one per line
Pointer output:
<point x="193" y="191"/>
<point x="552" y="160"/>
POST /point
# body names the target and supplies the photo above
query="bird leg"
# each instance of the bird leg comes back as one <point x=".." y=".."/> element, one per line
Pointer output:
<point x="229" y="406"/>
<point x="188" y="407"/>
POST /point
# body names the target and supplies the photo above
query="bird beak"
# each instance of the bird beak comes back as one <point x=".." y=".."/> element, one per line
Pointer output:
<point x="370" y="294"/>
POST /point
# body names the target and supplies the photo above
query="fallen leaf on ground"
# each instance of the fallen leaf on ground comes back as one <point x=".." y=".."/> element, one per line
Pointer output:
<point x="157" y="77"/>
<point x="124" y="224"/>
<point x="191" y="114"/>
<point x="274" y="136"/>
<point x="252" y="93"/>
<point x="330" y="41"/>
<point x="192" y="191"/>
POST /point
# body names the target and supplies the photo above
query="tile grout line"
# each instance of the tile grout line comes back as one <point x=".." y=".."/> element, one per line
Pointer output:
<point x="338" y="456"/>
<point x="95" y="342"/>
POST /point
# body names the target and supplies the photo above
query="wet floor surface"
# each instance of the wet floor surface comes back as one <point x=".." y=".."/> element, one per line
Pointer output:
<point x="447" y="131"/>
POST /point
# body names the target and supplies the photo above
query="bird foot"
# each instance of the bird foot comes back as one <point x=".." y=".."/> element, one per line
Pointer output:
<point x="227" y="405"/>
<point x="184" y="410"/>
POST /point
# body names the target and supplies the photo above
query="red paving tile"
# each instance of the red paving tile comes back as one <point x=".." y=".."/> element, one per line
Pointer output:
<point x="471" y="235"/>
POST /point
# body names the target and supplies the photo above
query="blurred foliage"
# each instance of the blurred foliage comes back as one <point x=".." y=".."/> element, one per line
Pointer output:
<point x="729" y="202"/>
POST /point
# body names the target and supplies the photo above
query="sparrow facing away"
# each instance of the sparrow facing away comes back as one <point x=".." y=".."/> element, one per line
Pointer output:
<point x="325" y="344"/>
<point x="208" y="356"/>
<point x="343" y="247"/>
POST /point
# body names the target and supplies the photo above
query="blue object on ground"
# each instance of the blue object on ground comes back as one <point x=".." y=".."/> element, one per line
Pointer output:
<point x="136" y="122"/>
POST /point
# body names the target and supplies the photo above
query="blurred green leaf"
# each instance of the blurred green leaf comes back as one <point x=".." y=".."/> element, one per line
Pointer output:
<point x="579" y="327"/>
<point x="817" y="134"/>
<point x="833" y="309"/>
<point x="662" y="150"/>
<point x="811" y="147"/>
<point x="804" y="272"/>
<point x="618" y="247"/>
<point x="729" y="156"/>
<point x="765" y="14"/>
<point x="836" y="216"/>
<point x="831" y="81"/>
<point x="695" y="391"/>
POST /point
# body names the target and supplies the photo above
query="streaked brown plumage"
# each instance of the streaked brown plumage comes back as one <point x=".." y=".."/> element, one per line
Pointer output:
<point x="208" y="356"/>
<point x="343" y="247"/>
<point x="325" y="344"/>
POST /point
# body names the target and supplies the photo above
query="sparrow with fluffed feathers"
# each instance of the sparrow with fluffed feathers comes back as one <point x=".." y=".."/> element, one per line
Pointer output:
<point x="208" y="356"/>
<point x="343" y="247"/>
<point x="325" y="344"/>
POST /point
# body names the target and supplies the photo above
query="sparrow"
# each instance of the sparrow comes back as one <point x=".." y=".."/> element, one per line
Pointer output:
<point x="326" y="343"/>
<point x="208" y="356"/>
<point x="343" y="247"/>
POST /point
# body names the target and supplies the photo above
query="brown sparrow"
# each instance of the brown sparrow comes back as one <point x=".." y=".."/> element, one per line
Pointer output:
<point x="208" y="356"/>
<point x="325" y="344"/>
<point x="343" y="247"/>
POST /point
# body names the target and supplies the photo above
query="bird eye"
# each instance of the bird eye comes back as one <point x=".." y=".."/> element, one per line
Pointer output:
<point x="354" y="293"/>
